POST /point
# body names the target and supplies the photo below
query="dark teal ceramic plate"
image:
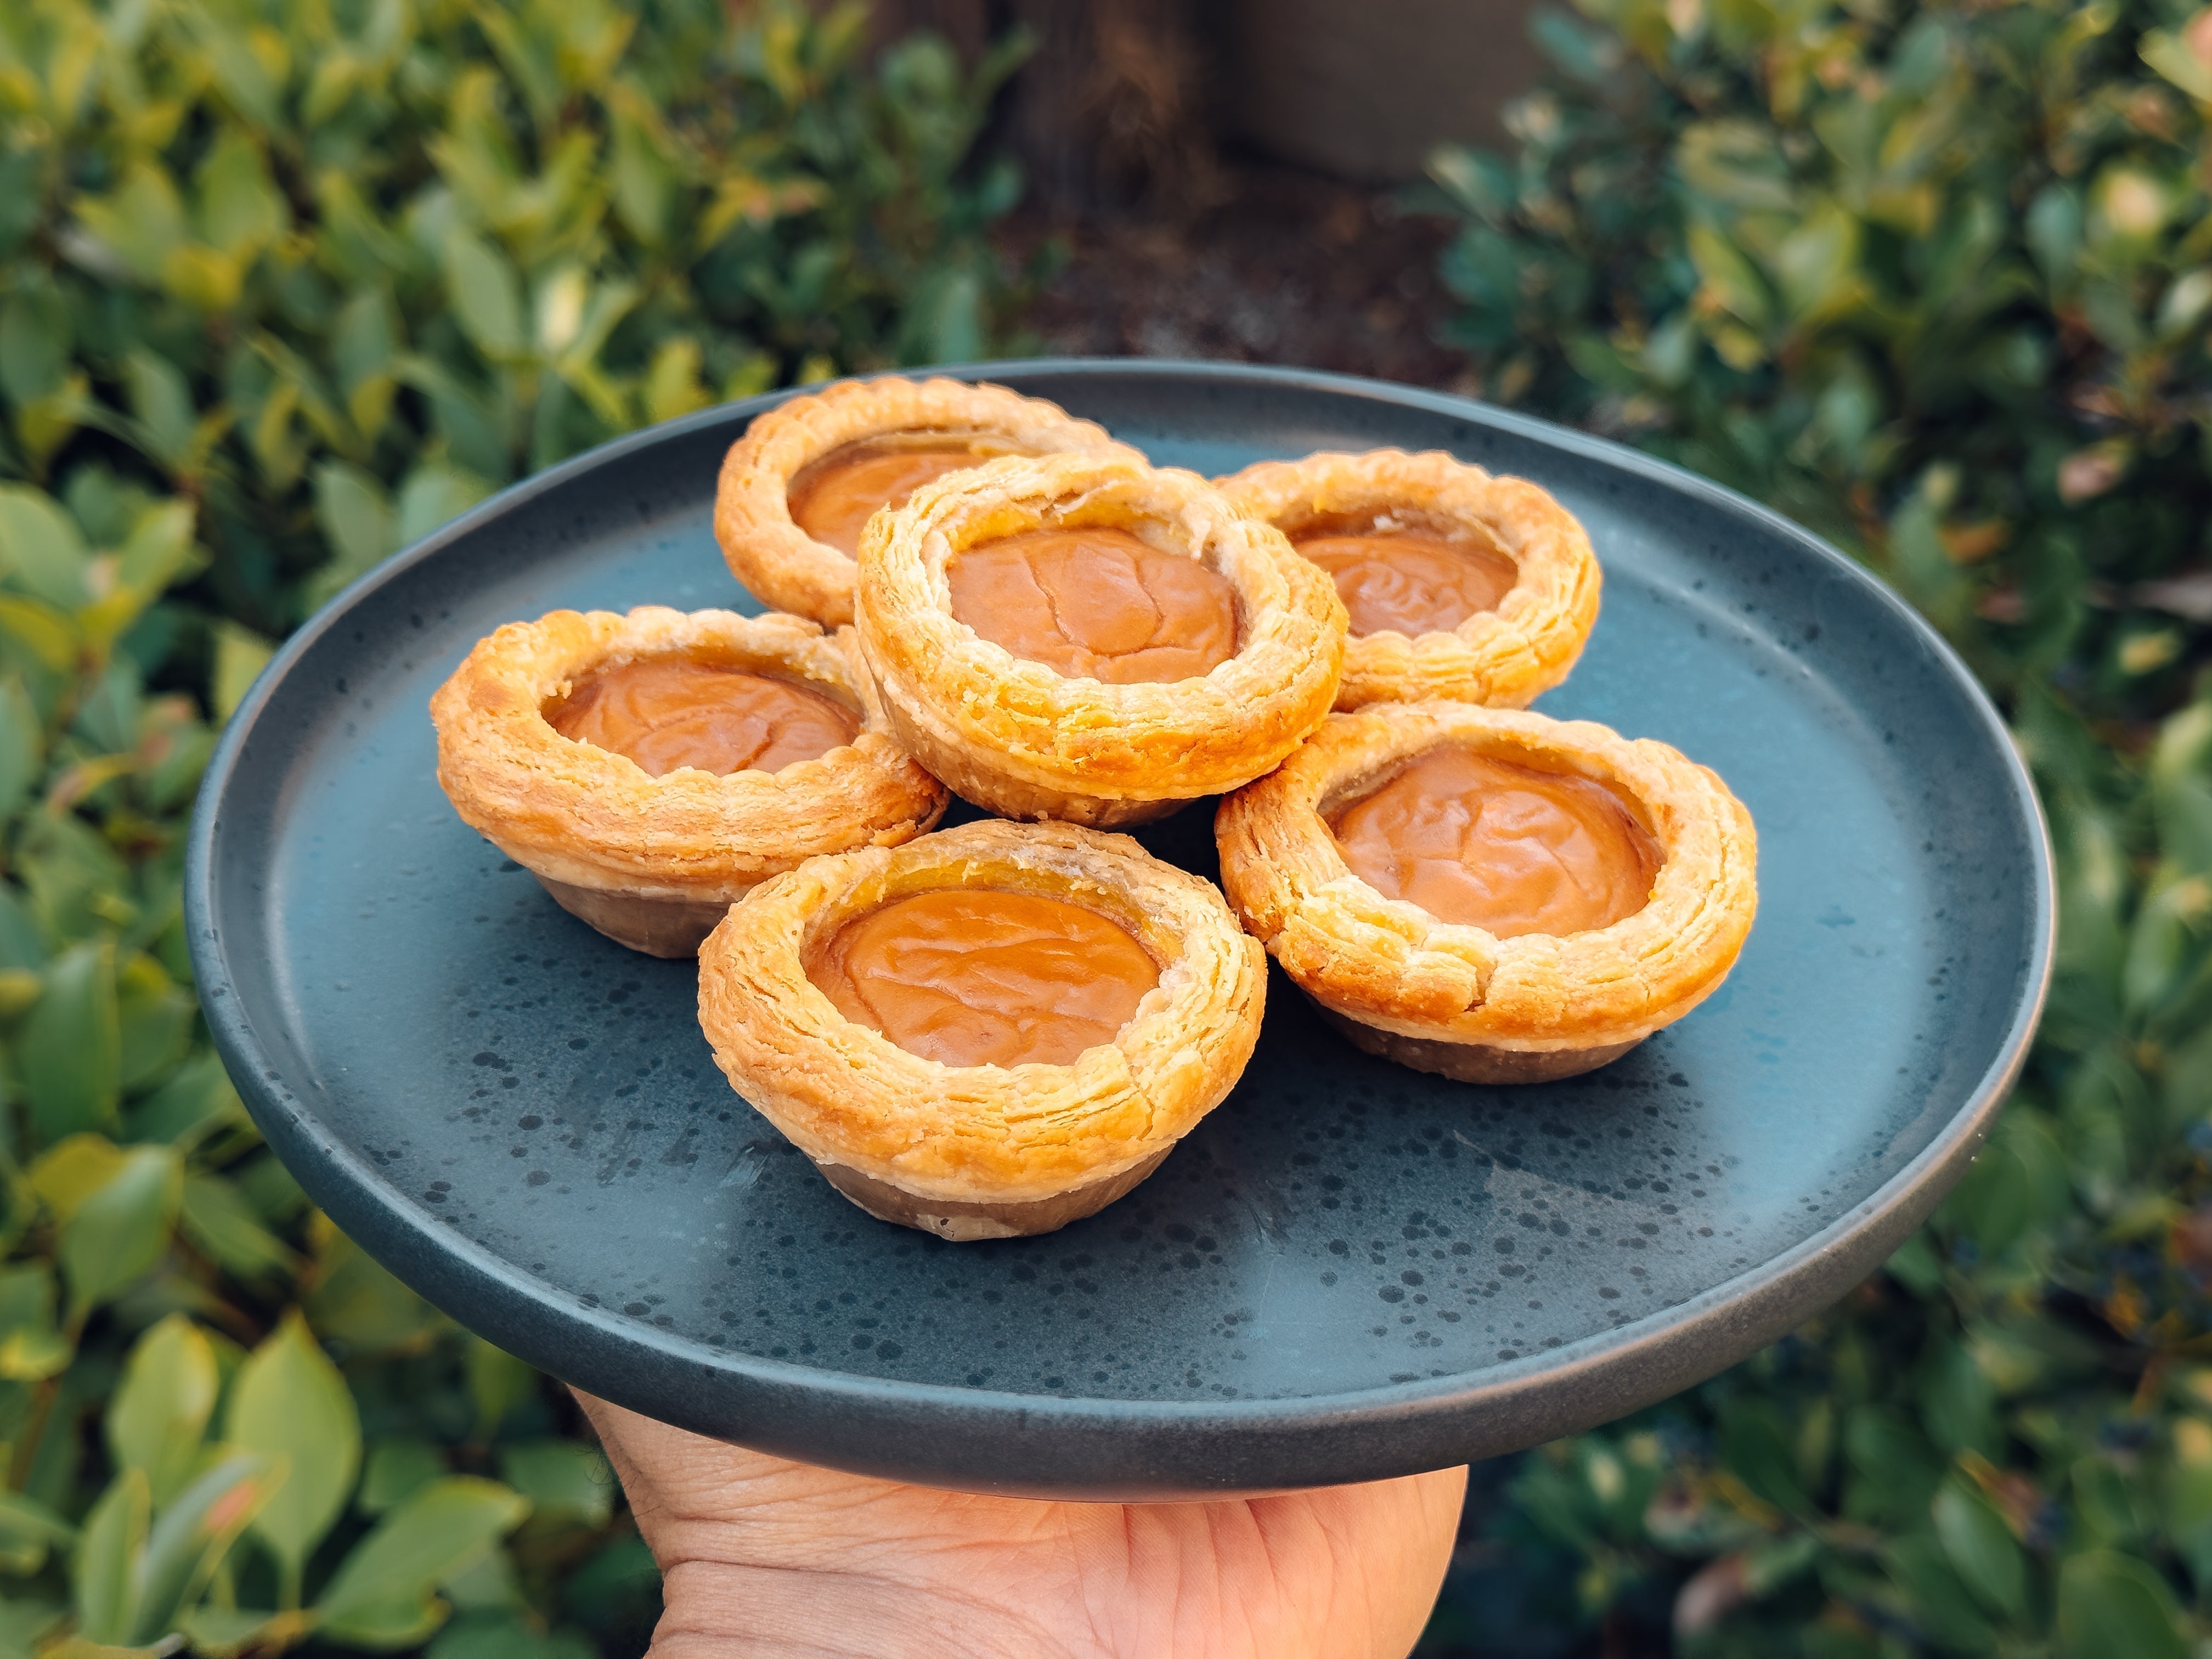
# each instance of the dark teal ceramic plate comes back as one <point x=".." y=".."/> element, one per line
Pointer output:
<point x="1349" y="1271"/>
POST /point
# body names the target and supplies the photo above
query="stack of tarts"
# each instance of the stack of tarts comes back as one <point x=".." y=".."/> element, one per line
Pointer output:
<point x="998" y="1028"/>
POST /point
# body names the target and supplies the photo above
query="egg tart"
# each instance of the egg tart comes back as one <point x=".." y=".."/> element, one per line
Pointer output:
<point x="1490" y="894"/>
<point x="1460" y="585"/>
<point x="1089" y="639"/>
<point x="797" y="489"/>
<point x="650" y="769"/>
<point x="990" y="1031"/>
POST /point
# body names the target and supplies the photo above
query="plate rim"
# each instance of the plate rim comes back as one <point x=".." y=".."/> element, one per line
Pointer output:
<point x="1614" y="1371"/>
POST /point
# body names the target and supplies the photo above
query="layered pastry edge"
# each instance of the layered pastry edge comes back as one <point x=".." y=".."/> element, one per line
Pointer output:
<point x="667" y="852"/>
<point x="982" y="1150"/>
<point x="1020" y="739"/>
<point x="1456" y="998"/>
<point x="786" y="568"/>
<point x="1503" y="657"/>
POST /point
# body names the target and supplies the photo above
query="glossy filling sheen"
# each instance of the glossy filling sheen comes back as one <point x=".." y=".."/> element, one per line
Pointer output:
<point x="833" y="498"/>
<point x="1501" y="846"/>
<point x="1096" y="604"/>
<point x="669" y="712"/>
<point x="979" y="978"/>
<point x="1410" y="581"/>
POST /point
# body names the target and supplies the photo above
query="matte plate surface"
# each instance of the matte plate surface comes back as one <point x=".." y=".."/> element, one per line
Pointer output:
<point x="1349" y="1271"/>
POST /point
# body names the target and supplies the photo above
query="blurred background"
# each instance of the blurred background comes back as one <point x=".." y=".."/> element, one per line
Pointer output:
<point x="284" y="286"/>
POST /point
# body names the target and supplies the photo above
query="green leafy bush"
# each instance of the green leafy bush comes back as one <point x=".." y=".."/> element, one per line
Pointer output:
<point x="1936" y="281"/>
<point x="282" y="287"/>
<point x="333" y="272"/>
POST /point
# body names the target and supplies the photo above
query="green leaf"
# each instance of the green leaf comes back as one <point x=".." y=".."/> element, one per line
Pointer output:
<point x="381" y="1594"/>
<point x="2167" y="51"/>
<point x="646" y="180"/>
<point x="195" y="1533"/>
<point x="240" y="655"/>
<point x="2110" y="1604"/>
<point x="435" y="496"/>
<point x="197" y="1100"/>
<point x="354" y="513"/>
<point x="27" y="1530"/>
<point x="44" y="632"/>
<point x="1941" y="1604"/>
<point x="241" y="211"/>
<point x="107" y="1553"/>
<point x="356" y="1302"/>
<point x="22" y="745"/>
<point x="153" y="1021"/>
<point x="1982" y="1548"/>
<point x="71" y="1172"/>
<point x="40" y="551"/>
<point x="162" y="403"/>
<point x="1957" y="1403"/>
<point x="498" y="1382"/>
<point x="486" y="296"/>
<point x="35" y="344"/>
<point x="504" y="1635"/>
<point x="564" y="1480"/>
<point x="69" y="1050"/>
<point x="223" y="1227"/>
<point x="30" y="1354"/>
<point x="1730" y="280"/>
<point x="142" y="221"/>
<point x="397" y="1469"/>
<point x="121" y="1228"/>
<point x="160" y="1415"/>
<point x="290" y="1401"/>
<point x="216" y="1633"/>
<point x="1754" y="1446"/>
<point x="2188" y="1496"/>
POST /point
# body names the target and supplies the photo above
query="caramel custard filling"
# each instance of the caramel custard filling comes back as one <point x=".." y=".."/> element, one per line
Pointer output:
<point x="1501" y="846"/>
<point x="1408" y="579"/>
<point x="1096" y="604"/>
<point x="981" y="978"/>
<point x="670" y="711"/>
<point x="833" y="498"/>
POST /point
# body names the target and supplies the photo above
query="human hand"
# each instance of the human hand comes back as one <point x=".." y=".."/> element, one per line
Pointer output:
<point x="773" y="1560"/>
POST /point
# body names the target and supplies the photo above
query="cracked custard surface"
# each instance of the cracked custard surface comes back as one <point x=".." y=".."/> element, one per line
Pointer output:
<point x="1505" y="847"/>
<point x="1408" y="582"/>
<point x="986" y="978"/>
<point x="833" y="498"/>
<point x="665" y="713"/>
<point x="1096" y="604"/>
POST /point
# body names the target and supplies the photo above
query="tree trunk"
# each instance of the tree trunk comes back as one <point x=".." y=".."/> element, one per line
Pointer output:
<point x="1110" y="113"/>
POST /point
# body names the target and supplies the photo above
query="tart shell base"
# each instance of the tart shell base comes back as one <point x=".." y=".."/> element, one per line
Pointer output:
<point x="658" y="926"/>
<point x="1011" y="798"/>
<point x="966" y="1223"/>
<point x="1473" y="1062"/>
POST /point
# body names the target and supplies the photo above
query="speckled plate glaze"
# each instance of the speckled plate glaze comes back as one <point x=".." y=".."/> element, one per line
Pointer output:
<point x="1350" y="1271"/>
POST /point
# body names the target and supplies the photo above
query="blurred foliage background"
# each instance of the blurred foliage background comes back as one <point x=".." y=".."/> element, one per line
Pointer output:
<point x="1934" y="280"/>
<point x="283" y="286"/>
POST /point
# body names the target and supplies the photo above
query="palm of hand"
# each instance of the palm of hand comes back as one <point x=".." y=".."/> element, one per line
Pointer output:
<point x="763" y="1556"/>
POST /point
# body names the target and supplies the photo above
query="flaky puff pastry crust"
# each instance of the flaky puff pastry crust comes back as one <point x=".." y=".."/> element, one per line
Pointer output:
<point x="655" y="861"/>
<point x="984" y="1152"/>
<point x="1501" y="659"/>
<point x="788" y="568"/>
<point x="1017" y="738"/>
<point x="1446" y="997"/>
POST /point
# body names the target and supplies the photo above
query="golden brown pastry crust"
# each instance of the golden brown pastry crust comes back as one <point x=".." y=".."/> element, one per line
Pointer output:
<point x="982" y="1152"/>
<point x="1014" y="736"/>
<point x="1414" y="982"/>
<point x="1501" y="659"/>
<point x="788" y="568"/>
<point x="598" y="829"/>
